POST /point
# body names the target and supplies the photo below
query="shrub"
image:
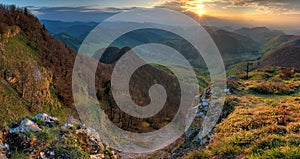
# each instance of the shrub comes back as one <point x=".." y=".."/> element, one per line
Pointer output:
<point x="281" y="152"/>
<point x="199" y="154"/>
<point x="266" y="143"/>
<point x="287" y="73"/>
<point x="71" y="152"/>
<point x="19" y="155"/>
<point x="39" y="122"/>
<point x="227" y="151"/>
<point x="294" y="127"/>
<point x="293" y="140"/>
<point x="45" y="135"/>
<point x="273" y="87"/>
<point x="3" y="28"/>
<point x="229" y="105"/>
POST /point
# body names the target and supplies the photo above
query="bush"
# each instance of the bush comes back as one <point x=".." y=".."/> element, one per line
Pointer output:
<point x="3" y="28"/>
<point x="281" y="152"/>
<point x="227" y="151"/>
<point x="268" y="143"/>
<point x="19" y="155"/>
<point x="71" y="152"/>
<point x="287" y="73"/>
<point x="199" y="154"/>
<point x="45" y="135"/>
<point x="39" y="122"/>
<point x="229" y="105"/>
<point x="273" y="87"/>
<point x="294" y="127"/>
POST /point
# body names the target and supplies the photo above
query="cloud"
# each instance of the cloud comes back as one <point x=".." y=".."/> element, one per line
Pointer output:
<point x="270" y="6"/>
<point x="81" y="13"/>
<point x="175" y="5"/>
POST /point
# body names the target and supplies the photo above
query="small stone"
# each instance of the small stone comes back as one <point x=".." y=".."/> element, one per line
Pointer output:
<point x="42" y="155"/>
<point x="4" y="151"/>
<point x="212" y="91"/>
<point x="206" y="109"/>
<point x="68" y="126"/>
<point x="37" y="74"/>
<point x="227" y="91"/>
<point x="232" y="78"/>
<point x="51" y="153"/>
<point x="200" y="114"/>
<point x="205" y="103"/>
<point x="5" y="146"/>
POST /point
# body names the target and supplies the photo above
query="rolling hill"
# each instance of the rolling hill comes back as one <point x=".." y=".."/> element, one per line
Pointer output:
<point x="276" y="42"/>
<point x="33" y="68"/>
<point x="259" y="34"/>
<point x="36" y="76"/>
<point x="286" y="55"/>
<point x="234" y="47"/>
<point x="77" y="29"/>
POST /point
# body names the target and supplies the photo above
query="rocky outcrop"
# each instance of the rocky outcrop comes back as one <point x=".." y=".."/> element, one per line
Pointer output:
<point x="43" y="137"/>
<point x="203" y="103"/>
<point x="25" y="126"/>
<point x="45" y="117"/>
<point x="32" y="82"/>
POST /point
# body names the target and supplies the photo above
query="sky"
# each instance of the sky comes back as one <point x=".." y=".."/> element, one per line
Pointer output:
<point x="281" y="14"/>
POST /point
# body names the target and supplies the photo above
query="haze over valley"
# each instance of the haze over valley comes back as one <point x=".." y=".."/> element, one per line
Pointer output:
<point x="67" y="91"/>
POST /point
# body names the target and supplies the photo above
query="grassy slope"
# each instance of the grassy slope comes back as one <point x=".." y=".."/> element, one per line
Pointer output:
<point x="268" y="51"/>
<point x="13" y="105"/>
<point x="265" y="122"/>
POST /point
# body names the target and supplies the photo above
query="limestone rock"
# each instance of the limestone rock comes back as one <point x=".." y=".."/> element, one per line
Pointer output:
<point x="45" y="117"/>
<point x="25" y="126"/>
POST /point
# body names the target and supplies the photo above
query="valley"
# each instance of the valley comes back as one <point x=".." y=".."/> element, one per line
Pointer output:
<point x="38" y="118"/>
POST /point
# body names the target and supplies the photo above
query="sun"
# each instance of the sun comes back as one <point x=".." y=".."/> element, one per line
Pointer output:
<point x="201" y="12"/>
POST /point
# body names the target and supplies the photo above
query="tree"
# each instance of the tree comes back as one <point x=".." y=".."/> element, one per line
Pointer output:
<point x="26" y="11"/>
<point x="248" y="69"/>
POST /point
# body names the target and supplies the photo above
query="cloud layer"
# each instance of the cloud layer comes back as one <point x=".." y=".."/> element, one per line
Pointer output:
<point x="82" y="13"/>
<point x="270" y="6"/>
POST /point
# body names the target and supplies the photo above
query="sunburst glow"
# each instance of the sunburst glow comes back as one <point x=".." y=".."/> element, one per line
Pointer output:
<point x="201" y="12"/>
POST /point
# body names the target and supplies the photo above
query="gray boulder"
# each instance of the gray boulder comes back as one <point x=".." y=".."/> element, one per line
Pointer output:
<point x="45" y="117"/>
<point x="25" y="126"/>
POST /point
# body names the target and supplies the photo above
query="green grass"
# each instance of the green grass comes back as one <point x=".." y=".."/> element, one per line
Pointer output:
<point x="261" y="125"/>
<point x="18" y="55"/>
<point x="73" y="152"/>
<point x="19" y="155"/>
<point x="46" y="135"/>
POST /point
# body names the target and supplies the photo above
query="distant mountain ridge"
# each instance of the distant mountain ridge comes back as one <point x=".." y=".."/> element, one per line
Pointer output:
<point x="259" y="34"/>
<point x="232" y="43"/>
<point x="229" y="43"/>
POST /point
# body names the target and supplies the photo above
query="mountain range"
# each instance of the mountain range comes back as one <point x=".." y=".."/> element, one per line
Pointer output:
<point x="36" y="66"/>
<point x="235" y="45"/>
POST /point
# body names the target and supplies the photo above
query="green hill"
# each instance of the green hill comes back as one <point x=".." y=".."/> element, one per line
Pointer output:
<point x="27" y="84"/>
<point x="285" y="55"/>
<point x="260" y="117"/>
<point x="259" y="34"/>
<point x="234" y="47"/>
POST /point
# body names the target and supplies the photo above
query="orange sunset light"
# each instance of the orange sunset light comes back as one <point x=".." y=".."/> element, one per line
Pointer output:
<point x="200" y="12"/>
<point x="196" y="7"/>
